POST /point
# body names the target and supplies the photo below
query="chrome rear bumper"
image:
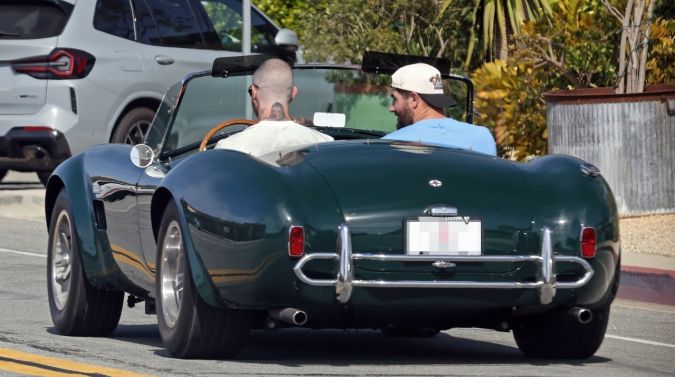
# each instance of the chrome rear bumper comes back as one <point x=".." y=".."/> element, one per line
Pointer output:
<point x="344" y="282"/>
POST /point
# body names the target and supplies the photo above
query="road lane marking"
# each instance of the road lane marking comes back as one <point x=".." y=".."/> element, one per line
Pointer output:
<point x="22" y="253"/>
<point x="36" y="365"/>
<point x="640" y="341"/>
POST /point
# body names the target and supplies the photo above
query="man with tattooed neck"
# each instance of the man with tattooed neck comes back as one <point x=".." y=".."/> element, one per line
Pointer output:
<point x="275" y="133"/>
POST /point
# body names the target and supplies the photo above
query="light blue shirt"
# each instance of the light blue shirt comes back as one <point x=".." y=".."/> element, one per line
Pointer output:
<point x="448" y="132"/>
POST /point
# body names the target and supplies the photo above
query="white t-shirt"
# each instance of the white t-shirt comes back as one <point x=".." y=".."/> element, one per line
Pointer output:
<point x="270" y="136"/>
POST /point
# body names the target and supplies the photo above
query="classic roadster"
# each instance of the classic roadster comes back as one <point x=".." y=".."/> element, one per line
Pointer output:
<point x="407" y="238"/>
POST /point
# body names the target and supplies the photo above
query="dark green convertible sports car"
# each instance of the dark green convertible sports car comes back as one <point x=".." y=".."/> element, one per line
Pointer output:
<point x="407" y="238"/>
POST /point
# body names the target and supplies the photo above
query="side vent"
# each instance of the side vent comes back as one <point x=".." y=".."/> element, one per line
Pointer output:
<point x="99" y="214"/>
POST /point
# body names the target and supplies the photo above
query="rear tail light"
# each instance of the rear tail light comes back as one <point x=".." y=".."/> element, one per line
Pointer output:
<point x="60" y="64"/>
<point x="588" y="240"/>
<point x="296" y="241"/>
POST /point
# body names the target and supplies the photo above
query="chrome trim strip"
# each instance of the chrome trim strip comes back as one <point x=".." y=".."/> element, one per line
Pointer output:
<point x="344" y="282"/>
<point x="455" y="258"/>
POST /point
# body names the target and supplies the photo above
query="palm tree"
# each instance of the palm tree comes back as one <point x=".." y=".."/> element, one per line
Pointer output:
<point x="501" y="19"/>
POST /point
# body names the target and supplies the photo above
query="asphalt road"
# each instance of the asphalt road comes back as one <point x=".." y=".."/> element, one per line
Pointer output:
<point x="640" y="340"/>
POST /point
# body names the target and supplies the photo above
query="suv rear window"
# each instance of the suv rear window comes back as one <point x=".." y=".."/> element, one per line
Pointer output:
<point x="28" y="19"/>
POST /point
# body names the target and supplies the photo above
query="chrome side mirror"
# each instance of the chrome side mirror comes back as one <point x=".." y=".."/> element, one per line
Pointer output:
<point x="142" y="155"/>
<point x="287" y="39"/>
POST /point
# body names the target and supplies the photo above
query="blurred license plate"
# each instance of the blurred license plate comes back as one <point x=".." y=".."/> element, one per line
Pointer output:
<point x="443" y="236"/>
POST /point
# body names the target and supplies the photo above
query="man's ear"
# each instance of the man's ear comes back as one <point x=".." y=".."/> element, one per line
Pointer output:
<point x="416" y="100"/>
<point x="294" y="92"/>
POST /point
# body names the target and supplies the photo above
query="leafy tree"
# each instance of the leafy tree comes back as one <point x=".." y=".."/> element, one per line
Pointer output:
<point x="342" y="30"/>
<point x="291" y="13"/>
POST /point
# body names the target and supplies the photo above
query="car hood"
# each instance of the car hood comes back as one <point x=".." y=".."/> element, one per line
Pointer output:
<point x="381" y="184"/>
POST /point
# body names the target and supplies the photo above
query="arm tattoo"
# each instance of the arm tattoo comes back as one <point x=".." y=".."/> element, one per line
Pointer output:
<point x="277" y="112"/>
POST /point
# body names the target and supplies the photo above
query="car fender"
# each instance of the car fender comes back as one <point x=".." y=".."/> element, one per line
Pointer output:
<point x="566" y="199"/>
<point x="220" y="187"/>
<point x="93" y="245"/>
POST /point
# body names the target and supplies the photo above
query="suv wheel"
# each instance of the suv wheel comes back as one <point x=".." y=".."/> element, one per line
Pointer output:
<point x="133" y="126"/>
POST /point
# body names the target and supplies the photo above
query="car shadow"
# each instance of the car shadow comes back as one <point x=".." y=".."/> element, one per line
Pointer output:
<point x="298" y="347"/>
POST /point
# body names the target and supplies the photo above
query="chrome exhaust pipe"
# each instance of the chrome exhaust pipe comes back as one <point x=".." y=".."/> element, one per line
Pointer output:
<point x="581" y="315"/>
<point x="290" y="315"/>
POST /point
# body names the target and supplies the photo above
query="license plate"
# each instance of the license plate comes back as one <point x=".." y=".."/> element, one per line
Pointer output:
<point x="443" y="236"/>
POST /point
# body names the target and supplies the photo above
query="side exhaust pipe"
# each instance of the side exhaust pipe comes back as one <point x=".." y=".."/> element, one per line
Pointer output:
<point x="290" y="315"/>
<point x="581" y="315"/>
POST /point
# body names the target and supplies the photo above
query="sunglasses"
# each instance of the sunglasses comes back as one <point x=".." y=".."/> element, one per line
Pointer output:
<point x="250" y="89"/>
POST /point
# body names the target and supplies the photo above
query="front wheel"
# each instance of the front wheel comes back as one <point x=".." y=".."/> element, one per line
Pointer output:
<point x="76" y="307"/>
<point x="188" y="326"/>
<point x="555" y="335"/>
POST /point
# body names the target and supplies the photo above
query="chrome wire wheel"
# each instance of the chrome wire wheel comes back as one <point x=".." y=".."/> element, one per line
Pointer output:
<point x="62" y="258"/>
<point x="172" y="273"/>
<point x="137" y="132"/>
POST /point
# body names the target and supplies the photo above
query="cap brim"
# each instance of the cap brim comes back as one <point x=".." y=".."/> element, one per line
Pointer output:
<point x="440" y="101"/>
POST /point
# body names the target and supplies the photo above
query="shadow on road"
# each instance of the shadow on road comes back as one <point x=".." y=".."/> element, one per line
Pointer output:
<point x="297" y="347"/>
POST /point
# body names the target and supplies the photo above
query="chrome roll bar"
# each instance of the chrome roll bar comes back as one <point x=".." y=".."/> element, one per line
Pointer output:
<point x="345" y="282"/>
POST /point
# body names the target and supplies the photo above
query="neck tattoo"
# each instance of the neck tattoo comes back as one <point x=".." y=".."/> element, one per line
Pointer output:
<point x="277" y="112"/>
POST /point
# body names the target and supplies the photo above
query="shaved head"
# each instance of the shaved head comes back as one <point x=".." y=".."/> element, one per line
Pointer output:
<point x="272" y="90"/>
<point x="275" y="78"/>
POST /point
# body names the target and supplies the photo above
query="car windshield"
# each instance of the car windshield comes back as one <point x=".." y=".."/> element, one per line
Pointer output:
<point x="334" y="99"/>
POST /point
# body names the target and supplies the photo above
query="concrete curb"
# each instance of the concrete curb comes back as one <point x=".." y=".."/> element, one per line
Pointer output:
<point x="647" y="284"/>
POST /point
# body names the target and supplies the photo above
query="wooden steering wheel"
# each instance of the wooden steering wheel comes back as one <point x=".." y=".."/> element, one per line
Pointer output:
<point x="227" y="123"/>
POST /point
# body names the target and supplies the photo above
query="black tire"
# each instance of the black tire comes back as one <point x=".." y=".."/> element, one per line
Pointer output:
<point x="553" y="335"/>
<point x="133" y="126"/>
<point x="43" y="176"/>
<point x="188" y="326"/>
<point x="409" y="332"/>
<point x="2" y="174"/>
<point x="82" y="310"/>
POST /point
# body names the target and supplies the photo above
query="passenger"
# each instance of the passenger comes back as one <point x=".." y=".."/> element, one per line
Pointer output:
<point x="271" y="93"/>
<point x="418" y="101"/>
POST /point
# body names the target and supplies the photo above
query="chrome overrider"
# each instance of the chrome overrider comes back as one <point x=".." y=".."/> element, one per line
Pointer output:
<point x="345" y="281"/>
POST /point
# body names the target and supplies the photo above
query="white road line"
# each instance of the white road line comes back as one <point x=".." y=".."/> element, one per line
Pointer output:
<point x="640" y="341"/>
<point x="22" y="253"/>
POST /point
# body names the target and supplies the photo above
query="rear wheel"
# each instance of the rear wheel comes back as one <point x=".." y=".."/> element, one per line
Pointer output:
<point x="555" y="335"/>
<point x="189" y="327"/>
<point x="76" y="307"/>
<point x="133" y="126"/>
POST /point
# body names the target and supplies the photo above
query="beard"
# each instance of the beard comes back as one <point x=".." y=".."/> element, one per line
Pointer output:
<point x="404" y="118"/>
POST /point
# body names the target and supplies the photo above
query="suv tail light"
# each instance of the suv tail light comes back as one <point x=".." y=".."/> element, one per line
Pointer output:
<point x="60" y="64"/>
<point x="588" y="242"/>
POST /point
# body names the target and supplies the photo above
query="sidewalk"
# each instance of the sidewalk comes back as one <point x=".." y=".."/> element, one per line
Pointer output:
<point x="644" y="277"/>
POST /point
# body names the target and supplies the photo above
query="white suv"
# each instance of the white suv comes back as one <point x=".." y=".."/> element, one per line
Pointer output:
<point x="75" y="73"/>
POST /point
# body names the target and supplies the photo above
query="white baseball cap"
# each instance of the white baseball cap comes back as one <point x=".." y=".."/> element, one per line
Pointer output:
<point x="424" y="80"/>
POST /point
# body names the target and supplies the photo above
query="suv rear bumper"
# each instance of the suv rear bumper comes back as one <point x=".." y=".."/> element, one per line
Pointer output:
<point x="39" y="150"/>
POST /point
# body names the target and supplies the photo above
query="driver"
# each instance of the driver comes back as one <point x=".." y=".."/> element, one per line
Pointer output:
<point x="271" y="93"/>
